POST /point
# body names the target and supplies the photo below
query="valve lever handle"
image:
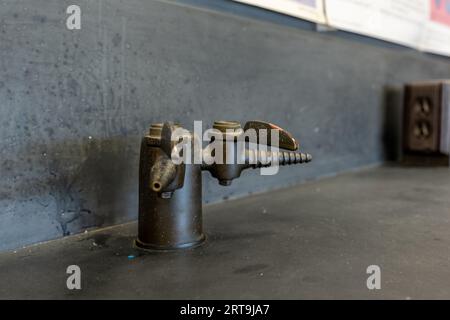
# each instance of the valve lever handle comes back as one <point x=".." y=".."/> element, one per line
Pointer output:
<point x="286" y="140"/>
<point x="167" y="144"/>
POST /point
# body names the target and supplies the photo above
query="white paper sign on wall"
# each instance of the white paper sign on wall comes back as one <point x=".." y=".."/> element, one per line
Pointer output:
<point x="420" y="24"/>
<point x="311" y="10"/>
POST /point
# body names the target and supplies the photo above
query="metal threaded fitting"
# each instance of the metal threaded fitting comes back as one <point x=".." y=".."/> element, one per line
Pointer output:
<point x="262" y="158"/>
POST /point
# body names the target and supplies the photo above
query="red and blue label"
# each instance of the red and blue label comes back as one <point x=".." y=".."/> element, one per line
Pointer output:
<point x="440" y="11"/>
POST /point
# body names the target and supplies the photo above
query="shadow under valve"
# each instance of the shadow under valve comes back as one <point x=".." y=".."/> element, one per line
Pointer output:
<point x="170" y="190"/>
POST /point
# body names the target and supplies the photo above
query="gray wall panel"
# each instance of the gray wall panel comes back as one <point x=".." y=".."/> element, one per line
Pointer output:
<point x="74" y="104"/>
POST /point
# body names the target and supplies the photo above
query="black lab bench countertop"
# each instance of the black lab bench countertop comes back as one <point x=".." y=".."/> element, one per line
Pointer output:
<point x="312" y="241"/>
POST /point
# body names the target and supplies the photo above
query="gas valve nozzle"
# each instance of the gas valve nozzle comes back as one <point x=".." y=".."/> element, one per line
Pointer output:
<point x="170" y="194"/>
<point x="262" y="158"/>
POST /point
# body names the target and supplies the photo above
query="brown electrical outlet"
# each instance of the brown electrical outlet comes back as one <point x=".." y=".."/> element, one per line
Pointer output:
<point x="426" y="126"/>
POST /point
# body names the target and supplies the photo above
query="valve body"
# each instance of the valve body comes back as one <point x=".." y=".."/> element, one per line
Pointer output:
<point x="170" y="194"/>
<point x="168" y="220"/>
